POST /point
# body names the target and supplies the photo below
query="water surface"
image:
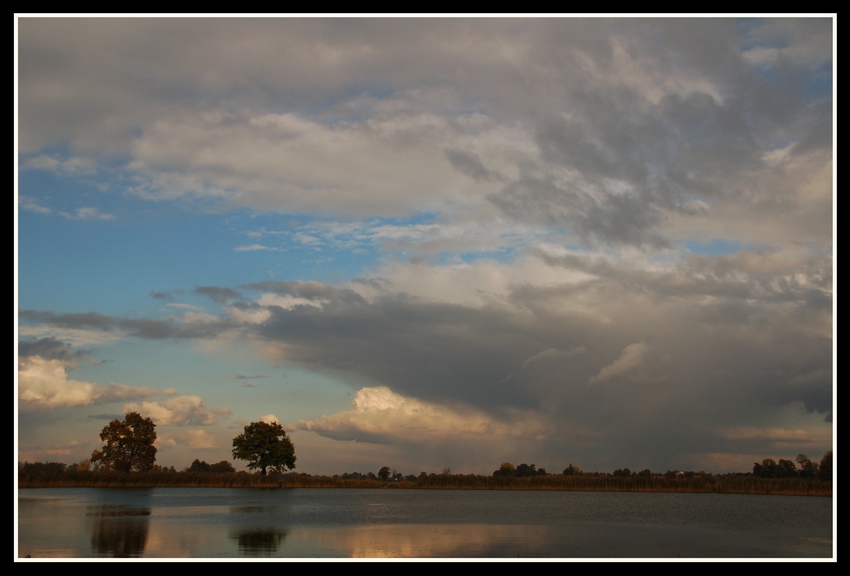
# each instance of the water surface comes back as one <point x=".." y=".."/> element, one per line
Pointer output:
<point x="341" y="523"/>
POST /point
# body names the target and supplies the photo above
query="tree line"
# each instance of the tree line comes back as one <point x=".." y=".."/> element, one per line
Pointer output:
<point x="129" y="447"/>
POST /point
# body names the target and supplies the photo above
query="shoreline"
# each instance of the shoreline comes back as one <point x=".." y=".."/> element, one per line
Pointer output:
<point x="820" y="489"/>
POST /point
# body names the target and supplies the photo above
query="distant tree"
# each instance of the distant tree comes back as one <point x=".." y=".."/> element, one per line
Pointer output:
<point x="767" y="468"/>
<point x="384" y="473"/>
<point x="825" y="468"/>
<point x="265" y="446"/>
<point x="222" y="467"/>
<point x="786" y="468"/>
<point x="506" y="469"/>
<point x="199" y="466"/>
<point x="526" y="470"/>
<point x="808" y="469"/>
<point x="128" y="444"/>
<point x="447" y="471"/>
<point x="570" y="470"/>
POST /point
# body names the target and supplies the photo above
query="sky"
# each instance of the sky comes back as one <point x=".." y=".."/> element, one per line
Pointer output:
<point x="429" y="242"/>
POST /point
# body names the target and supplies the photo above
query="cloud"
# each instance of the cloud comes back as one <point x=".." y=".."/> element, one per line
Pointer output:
<point x="73" y="165"/>
<point x="32" y="205"/>
<point x="142" y="328"/>
<point x="378" y="414"/>
<point x="739" y="337"/>
<point x="270" y="419"/>
<point x="552" y="353"/>
<point x="43" y="384"/>
<point x="618" y="133"/>
<point x="181" y="410"/>
<point x="720" y="366"/>
<point x="48" y="348"/>
<point x="89" y="213"/>
<point x="218" y="294"/>
<point x="775" y="434"/>
<point x="266" y="161"/>
<point x="536" y="205"/>
<point x="253" y="248"/>
<point x="632" y="357"/>
<point x="63" y="450"/>
<point x="200" y="439"/>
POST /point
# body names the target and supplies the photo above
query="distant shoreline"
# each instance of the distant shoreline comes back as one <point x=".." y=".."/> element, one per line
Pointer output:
<point x="741" y="484"/>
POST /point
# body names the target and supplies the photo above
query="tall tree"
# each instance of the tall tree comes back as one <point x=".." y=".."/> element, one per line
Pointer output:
<point x="265" y="446"/>
<point x="825" y="468"/>
<point x="128" y="444"/>
<point x="808" y="469"/>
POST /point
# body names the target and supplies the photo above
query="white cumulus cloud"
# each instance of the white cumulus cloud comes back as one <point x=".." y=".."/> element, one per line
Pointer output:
<point x="43" y="384"/>
<point x="186" y="409"/>
<point x="378" y="412"/>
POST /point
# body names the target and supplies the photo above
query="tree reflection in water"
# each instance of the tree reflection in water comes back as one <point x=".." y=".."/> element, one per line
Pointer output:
<point x="119" y="531"/>
<point x="259" y="541"/>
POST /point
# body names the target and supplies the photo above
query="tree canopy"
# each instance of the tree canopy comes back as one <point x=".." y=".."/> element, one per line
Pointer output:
<point x="201" y="466"/>
<point x="265" y="446"/>
<point x="128" y="444"/>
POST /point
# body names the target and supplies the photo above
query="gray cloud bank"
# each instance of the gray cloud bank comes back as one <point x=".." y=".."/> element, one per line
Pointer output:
<point x="597" y="149"/>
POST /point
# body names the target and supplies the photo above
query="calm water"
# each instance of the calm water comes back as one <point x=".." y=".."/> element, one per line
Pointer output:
<point x="314" y="523"/>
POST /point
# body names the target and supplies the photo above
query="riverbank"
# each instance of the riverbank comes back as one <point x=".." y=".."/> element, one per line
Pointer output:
<point x="726" y="484"/>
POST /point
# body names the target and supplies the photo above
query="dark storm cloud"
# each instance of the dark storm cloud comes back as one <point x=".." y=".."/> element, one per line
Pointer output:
<point x="431" y="350"/>
<point x="692" y="368"/>
<point x="50" y="348"/>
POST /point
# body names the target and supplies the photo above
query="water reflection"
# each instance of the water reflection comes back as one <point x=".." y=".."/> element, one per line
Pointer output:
<point x="433" y="541"/>
<point x="258" y="542"/>
<point x="119" y="531"/>
<point x="250" y="509"/>
<point x="215" y="523"/>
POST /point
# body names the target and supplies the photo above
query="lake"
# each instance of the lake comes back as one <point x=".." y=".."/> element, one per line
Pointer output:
<point x="359" y="523"/>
